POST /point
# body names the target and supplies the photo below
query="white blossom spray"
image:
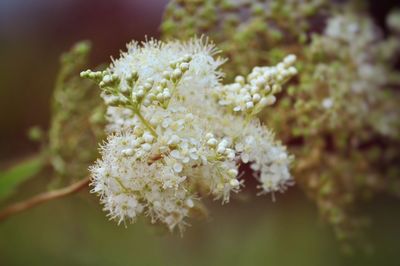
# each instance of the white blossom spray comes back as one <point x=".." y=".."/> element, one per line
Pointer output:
<point x="176" y="132"/>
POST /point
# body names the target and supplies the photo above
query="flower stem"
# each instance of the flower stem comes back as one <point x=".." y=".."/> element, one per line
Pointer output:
<point x="42" y="198"/>
<point x="145" y="123"/>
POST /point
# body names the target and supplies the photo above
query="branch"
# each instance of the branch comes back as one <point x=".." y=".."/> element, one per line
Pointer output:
<point x="42" y="198"/>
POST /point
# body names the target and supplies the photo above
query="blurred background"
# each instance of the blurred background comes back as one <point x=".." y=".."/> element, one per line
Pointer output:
<point x="74" y="231"/>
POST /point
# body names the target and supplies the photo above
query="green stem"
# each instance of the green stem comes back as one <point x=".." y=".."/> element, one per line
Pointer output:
<point x="247" y="119"/>
<point x="145" y="123"/>
<point x="173" y="89"/>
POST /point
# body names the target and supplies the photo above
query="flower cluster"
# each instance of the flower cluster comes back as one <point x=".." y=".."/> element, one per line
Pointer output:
<point x="358" y="89"/>
<point x="252" y="94"/>
<point x="170" y="141"/>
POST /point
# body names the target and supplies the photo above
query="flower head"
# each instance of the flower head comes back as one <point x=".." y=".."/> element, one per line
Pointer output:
<point x="170" y="137"/>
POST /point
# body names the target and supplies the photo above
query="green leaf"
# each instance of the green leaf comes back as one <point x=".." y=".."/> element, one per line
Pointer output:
<point x="13" y="177"/>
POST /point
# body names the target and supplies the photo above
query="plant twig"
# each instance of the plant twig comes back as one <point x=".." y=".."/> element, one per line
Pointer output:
<point x="42" y="198"/>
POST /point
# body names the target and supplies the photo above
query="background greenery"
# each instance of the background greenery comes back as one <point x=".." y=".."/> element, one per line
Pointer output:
<point x="74" y="231"/>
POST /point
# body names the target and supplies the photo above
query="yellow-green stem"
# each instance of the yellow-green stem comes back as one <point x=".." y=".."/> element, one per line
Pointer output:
<point x="145" y="123"/>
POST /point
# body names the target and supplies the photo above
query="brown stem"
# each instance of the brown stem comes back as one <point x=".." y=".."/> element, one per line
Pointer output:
<point x="42" y="198"/>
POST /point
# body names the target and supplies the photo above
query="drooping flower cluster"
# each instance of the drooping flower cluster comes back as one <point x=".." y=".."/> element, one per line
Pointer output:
<point x="357" y="90"/>
<point x="340" y="117"/>
<point x="170" y="140"/>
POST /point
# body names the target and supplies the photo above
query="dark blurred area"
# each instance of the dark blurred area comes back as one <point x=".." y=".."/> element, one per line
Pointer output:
<point x="33" y="34"/>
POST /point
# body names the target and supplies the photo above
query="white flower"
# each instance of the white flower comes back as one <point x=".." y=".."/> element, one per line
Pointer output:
<point x="169" y="137"/>
<point x="269" y="160"/>
<point x="252" y="94"/>
<point x="327" y="103"/>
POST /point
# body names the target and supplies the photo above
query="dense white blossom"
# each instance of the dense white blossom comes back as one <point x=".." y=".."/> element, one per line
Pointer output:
<point x="171" y="140"/>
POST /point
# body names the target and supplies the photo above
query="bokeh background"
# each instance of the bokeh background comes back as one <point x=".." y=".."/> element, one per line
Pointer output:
<point x="74" y="231"/>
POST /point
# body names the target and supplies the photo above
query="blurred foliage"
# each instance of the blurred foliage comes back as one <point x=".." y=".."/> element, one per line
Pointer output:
<point x="13" y="177"/>
<point x="262" y="233"/>
<point x="340" y="118"/>
<point x="77" y="117"/>
<point x="249" y="33"/>
<point x="70" y="144"/>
